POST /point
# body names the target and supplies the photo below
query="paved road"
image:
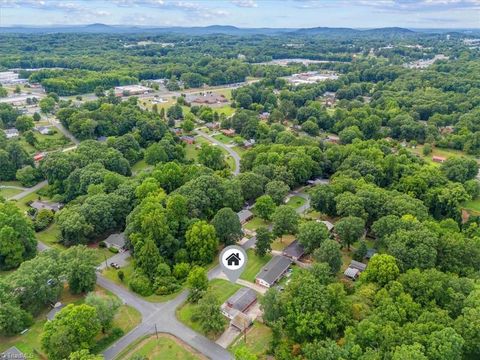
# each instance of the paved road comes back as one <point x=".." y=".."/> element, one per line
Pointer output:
<point x="232" y="152"/>
<point x="28" y="191"/>
<point x="63" y="130"/>
<point x="12" y="187"/>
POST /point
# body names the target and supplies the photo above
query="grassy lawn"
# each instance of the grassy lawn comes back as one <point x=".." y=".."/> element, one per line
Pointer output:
<point x="296" y="201"/>
<point x="140" y="165"/>
<point x="164" y="348"/>
<point x="11" y="183"/>
<point x="22" y="203"/>
<point x="254" y="264"/>
<point x="224" y="139"/>
<point x="255" y="223"/>
<point x="226" y="109"/>
<point x="112" y="274"/>
<point x="281" y="243"/>
<point x="50" y="236"/>
<point x="127" y="318"/>
<point x="446" y="153"/>
<point x="221" y="288"/>
<point x="240" y="150"/>
<point x="473" y="205"/>
<point x="258" y="340"/>
<point x="6" y="193"/>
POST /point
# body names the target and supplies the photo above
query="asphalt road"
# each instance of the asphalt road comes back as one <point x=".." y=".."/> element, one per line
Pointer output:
<point x="232" y="152"/>
<point x="28" y="191"/>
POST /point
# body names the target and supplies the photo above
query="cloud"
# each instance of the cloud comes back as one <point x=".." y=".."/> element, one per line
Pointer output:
<point x="394" y="5"/>
<point x="66" y="7"/>
<point x="245" y="3"/>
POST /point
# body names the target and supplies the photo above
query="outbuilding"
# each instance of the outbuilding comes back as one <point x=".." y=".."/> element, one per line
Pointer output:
<point x="244" y="215"/>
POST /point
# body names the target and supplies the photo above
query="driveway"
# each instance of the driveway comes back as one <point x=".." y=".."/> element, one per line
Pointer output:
<point x="28" y="191"/>
<point x="232" y="152"/>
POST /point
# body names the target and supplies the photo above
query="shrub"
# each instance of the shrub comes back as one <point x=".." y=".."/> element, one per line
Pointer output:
<point x="43" y="219"/>
<point x="140" y="284"/>
<point x="102" y="244"/>
<point x="113" y="250"/>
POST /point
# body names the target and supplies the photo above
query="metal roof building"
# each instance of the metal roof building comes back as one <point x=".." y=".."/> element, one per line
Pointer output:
<point x="273" y="271"/>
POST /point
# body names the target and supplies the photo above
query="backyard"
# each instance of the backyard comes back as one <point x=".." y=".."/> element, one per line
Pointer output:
<point x="254" y="265"/>
<point x="257" y="341"/>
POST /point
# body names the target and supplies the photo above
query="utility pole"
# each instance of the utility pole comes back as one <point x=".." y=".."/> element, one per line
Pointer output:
<point x="156" y="331"/>
<point x="106" y="264"/>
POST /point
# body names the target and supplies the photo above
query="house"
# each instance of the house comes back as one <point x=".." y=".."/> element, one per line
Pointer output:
<point x="56" y="308"/>
<point x="351" y="273"/>
<point x="11" y="133"/>
<point x="241" y="301"/>
<point x="38" y="157"/>
<point x="294" y="251"/>
<point x="318" y="181"/>
<point x="12" y="354"/>
<point x="328" y="224"/>
<point x="446" y="130"/>
<point x="212" y="125"/>
<point x="264" y="116"/>
<point x="333" y="139"/>
<point x="249" y="143"/>
<point x="115" y="241"/>
<point x="233" y="259"/>
<point x="244" y="215"/>
<point x="439" y="159"/>
<point x="177" y="131"/>
<point x="273" y="271"/>
<point x="188" y="139"/>
<point x="241" y="321"/>
<point x="358" y="265"/>
<point x="44" y="130"/>
<point x="228" y="132"/>
<point x="208" y="98"/>
<point x="43" y="205"/>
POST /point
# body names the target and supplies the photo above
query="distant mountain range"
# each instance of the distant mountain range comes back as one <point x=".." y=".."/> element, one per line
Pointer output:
<point x="222" y="29"/>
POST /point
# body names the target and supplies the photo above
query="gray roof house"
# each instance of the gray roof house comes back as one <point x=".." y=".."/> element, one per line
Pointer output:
<point x="116" y="240"/>
<point x="43" y="205"/>
<point x="358" y="265"/>
<point x="11" y="133"/>
<point x="294" y="251"/>
<point x="44" y="130"/>
<point x="12" y="354"/>
<point x="273" y="271"/>
<point x="244" y="216"/>
<point x="239" y="302"/>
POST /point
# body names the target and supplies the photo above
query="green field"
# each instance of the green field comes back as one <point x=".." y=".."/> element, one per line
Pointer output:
<point x="473" y="205"/>
<point x="296" y="201"/>
<point x="7" y="193"/>
<point x="254" y="265"/>
<point x="446" y="153"/>
<point x="221" y="288"/>
<point x="258" y="340"/>
<point x="138" y="166"/>
<point x="255" y="223"/>
<point x="163" y="348"/>
<point x="224" y="139"/>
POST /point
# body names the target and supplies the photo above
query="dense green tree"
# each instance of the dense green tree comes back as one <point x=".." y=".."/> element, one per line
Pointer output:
<point x="106" y="307"/>
<point x="285" y="221"/>
<point x="349" y="230"/>
<point x="227" y="226"/>
<point x="201" y="242"/>
<point x="212" y="157"/>
<point x="329" y="252"/>
<point x="264" y="241"/>
<point x="277" y="190"/>
<point x="208" y="314"/>
<point x="197" y="283"/>
<point x="311" y="235"/>
<point x="382" y="269"/>
<point x="265" y="207"/>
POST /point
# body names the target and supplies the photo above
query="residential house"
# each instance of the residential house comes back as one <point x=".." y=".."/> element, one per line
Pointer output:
<point x="249" y="143"/>
<point x="439" y="159"/>
<point x="294" y="251"/>
<point x="318" y="181"/>
<point x="333" y="139"/>
<point x="264" y="116"/>
<point x="115" y="241"/>
<point x="244" y="215"/>
<point x="212" y="125"/>
<point x="354" y="269"/>
<point x="11" y="133"/>
<point x="188" y="139"/>
<point x="44" y="130"/>
<point x="12" y="354"/>
<point x="273" y="271"/>
<point x="241" y="301"/>
<point x="228" y="132"/>
<point x="43" y="205"/>
<point x="358" y="265"/>
<point x="177" y="131"/>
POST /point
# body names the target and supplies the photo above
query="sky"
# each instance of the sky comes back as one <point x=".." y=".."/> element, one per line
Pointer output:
<point x="245" y="13"/>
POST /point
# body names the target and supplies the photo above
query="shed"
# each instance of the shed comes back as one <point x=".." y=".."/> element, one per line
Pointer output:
<point x="439" y="159"/>
<point x="273" y="271"/>
<point x="244" y="215"/>
<point x="228" y="132"/>
<point x="328" y="224"/>
<point x="116" y="241"/>
<point x="12" y="354"/>
<point x="294" y="251"/>
<point x="370" y="253"/>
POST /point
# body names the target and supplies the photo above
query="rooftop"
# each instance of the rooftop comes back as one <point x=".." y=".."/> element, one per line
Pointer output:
<point x="242" y="299"/>
<point x="294" y="250"/>
<point x="274" y="269"/>
<point x="116" y="240"/>
<point x="41" y="205"/>
<point x="358" y="265"/>
<point x="12" y="354"/>
<point x="244" y="215"/>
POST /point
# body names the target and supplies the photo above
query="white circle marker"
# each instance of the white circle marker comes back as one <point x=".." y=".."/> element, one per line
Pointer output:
<point x="233" y="260"/>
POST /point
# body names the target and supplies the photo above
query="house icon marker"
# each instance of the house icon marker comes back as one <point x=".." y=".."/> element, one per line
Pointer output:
<point x="233" y="259"/>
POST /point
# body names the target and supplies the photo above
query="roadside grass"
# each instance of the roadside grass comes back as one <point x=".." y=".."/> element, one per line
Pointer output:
<point x="6" y="193"/>
<point x="296" y="201"/>
<point x="254" y="265"/>
<point x="112" y="275"/>
<point x="11" y="183"/>
<point x="257" y="341"/>
<point x="224" y="139"/>
<point x="240" y="150"/>
<point x="281" y="243"/>
<point x="50" y="236"/>
<point x="164" y="348"/>
<point x="255" y="223"/>
<point x="222" y="289"/>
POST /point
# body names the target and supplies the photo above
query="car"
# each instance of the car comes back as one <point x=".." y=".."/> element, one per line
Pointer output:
<point x="115" y="265"/>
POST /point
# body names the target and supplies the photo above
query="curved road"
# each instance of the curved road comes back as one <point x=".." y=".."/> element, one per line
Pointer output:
<point x="232" y="152"/>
